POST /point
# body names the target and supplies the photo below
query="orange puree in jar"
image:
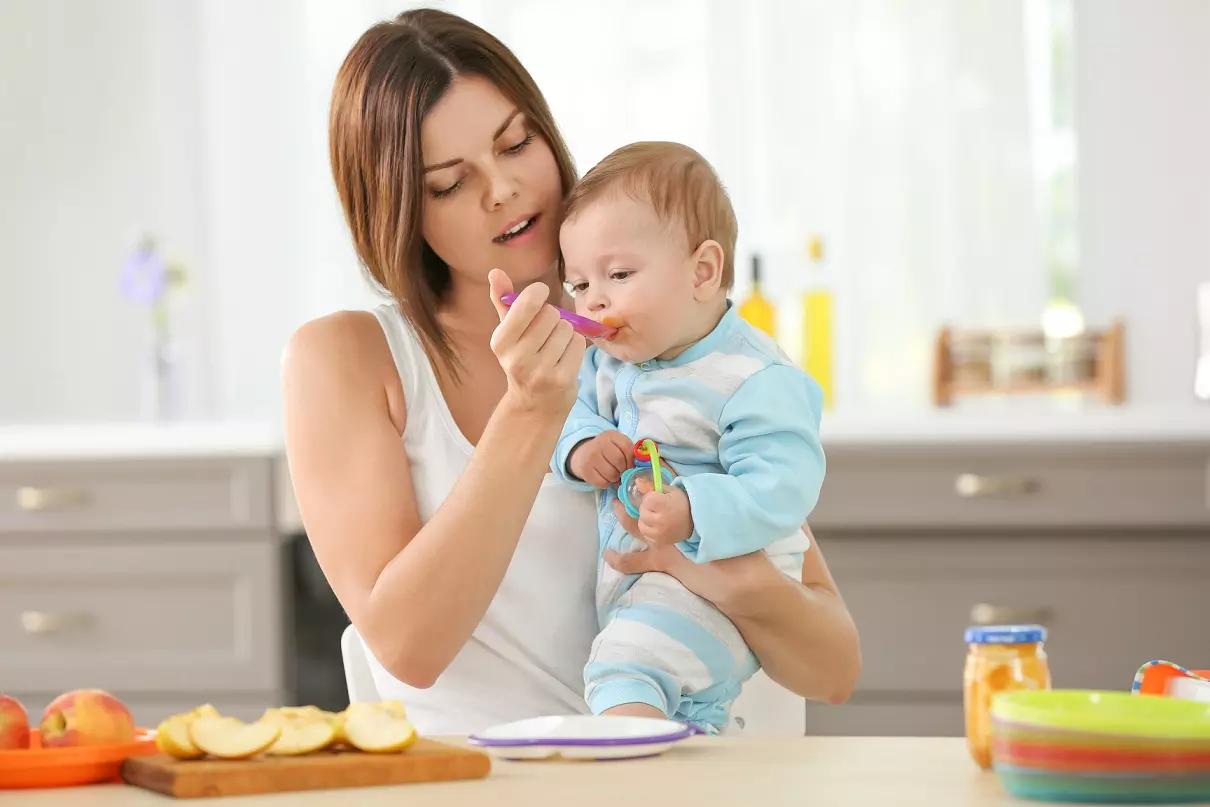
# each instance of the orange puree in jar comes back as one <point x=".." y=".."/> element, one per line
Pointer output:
<point x="1000" y="658"/>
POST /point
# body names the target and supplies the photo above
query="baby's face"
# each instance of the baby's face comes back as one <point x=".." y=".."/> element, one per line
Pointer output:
<point x="629" y="271"/>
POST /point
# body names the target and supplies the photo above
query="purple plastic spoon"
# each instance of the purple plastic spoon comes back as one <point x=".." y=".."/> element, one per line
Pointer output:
<point x="582" y="325"/>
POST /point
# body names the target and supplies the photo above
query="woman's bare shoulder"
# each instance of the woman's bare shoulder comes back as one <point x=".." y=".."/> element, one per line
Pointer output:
<point x="342" y="355"/>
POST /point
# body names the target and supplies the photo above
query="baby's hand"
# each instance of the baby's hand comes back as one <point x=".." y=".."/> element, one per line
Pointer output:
<point x="601" y="460"/>
<point x="665" y="517"/>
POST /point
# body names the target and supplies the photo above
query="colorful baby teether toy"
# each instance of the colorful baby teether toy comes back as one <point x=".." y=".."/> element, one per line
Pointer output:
<point x="1159" y="677"/>
<point x="583" y="325"/>
<point x="646" y="467"/>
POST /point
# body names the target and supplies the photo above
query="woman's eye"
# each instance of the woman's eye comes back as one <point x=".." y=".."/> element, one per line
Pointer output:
<point x="442" y="193"/>
<point x="520" y="147"/>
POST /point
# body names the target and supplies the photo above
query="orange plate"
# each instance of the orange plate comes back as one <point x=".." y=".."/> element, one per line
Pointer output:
<point x="60" y="767"/>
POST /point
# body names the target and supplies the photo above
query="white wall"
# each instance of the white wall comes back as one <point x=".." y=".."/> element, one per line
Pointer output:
<point x="99" y="137"/>
<point x="1143" y="85"/>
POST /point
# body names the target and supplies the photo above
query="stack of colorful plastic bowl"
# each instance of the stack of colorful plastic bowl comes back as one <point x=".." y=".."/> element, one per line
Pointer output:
<point x="1109" y="747"/>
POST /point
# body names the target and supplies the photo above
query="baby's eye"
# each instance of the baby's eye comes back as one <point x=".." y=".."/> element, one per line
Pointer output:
<point x="576" y="288"/>
<point x="621" y="274"/>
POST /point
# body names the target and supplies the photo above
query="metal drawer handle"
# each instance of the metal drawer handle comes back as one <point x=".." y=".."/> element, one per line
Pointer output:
<point x="988" y="614"/>
<point x="41" y="623"/>
<point x="41" y="500"/>
<point x="976" y="486"/>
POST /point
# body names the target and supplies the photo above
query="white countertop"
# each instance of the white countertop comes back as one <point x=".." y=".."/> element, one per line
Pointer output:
<point x="1127" y="425"/>
<point x="136" y="440"/>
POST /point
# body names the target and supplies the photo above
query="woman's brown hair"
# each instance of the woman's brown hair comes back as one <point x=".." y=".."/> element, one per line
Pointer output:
<point x="394" y="74"/>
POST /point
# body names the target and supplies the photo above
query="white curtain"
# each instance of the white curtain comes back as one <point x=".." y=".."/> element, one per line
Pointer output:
<point x="898" y="130"/>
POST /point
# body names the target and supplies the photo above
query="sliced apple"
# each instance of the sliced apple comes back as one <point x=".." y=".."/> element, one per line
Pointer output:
<point x="378" y="731"/>
<point x="231" y="738"/>
<point x="337" y="719"/>
<point x="303" y="736"/>
<point x="394" y="707"/>
<point x="172" y="738"/>
<point x="205" y="710"/>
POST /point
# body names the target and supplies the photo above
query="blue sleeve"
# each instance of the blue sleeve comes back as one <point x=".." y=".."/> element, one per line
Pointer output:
<point x="583" y="423"/>
<point x="774" y="462"/>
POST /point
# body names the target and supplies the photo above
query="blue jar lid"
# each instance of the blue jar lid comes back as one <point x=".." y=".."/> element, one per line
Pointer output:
<point x="1006" y="634"/>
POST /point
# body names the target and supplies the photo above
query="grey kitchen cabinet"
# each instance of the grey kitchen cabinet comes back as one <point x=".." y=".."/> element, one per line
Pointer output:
<point x="1107" y="544"/>
<point x="157" y="577"/>
<point x="1109" y="603"/>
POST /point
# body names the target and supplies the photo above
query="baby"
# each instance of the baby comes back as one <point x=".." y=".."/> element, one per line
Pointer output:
<point x="648" y="245"/>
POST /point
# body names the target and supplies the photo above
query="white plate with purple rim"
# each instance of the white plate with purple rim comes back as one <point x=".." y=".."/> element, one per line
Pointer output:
<point x="582" y="737"/>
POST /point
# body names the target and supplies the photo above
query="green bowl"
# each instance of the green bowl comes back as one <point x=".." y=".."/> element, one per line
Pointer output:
<point x="1105" y="712"/>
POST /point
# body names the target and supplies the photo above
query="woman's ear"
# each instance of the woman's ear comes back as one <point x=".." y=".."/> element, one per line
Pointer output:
<point x="707" y="270"/>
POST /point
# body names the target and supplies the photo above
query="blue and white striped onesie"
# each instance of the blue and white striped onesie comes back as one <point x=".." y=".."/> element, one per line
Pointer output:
<point x="740" y="425"/>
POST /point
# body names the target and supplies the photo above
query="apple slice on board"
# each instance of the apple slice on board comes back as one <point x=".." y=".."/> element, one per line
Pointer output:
<point x="232" y="738"/>
<point x="303" y="737"/>
<point x="377" y="728"/>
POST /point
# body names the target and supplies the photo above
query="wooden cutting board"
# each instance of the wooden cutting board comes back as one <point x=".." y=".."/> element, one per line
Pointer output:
<point x="425" y="761"/>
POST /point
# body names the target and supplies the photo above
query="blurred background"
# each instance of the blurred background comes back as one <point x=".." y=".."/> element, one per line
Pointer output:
<point x="983" y="224"/>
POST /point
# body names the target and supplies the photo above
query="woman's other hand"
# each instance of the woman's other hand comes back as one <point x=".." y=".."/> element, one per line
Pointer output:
<point x="539" y="351"/>
<point x="719" y="581"/>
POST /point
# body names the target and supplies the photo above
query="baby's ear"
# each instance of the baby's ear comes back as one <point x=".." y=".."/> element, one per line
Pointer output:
<point x="707" y="270"/>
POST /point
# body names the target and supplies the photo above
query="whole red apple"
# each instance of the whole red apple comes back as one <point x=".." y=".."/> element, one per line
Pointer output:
<point x="86" y="717"/>
<point x="14" y="724"/>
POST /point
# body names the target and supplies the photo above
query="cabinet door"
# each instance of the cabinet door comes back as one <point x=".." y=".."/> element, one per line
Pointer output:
<point x="902" y="717"/>
<point x="1015" y="487"/>
<point x="180" y="618"/>
<point x="1110" y="603"/>
<point x="151" y="496"/>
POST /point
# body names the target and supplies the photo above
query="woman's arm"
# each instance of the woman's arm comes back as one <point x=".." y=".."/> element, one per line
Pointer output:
<point x="416" y="592"/>
<point x="802" y="633"/>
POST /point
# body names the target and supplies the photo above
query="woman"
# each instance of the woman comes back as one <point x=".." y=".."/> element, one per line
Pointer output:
<point x="419" y="434"/>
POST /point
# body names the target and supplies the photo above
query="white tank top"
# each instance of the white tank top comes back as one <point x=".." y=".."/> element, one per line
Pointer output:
<point x="526" y="657"/>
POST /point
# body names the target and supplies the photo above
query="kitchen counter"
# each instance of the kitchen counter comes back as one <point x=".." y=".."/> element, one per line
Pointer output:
<point x="701" y="772"/>
<point x="84" y="442"/>
<point x="233" y="439"/>
<point x="1175" y="425"/>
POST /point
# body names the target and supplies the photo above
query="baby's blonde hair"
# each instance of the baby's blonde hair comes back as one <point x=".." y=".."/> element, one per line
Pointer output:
<point x="679" y="184"/>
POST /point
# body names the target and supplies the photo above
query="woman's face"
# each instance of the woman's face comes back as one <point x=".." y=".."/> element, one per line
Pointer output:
<point x="493" y="195"/>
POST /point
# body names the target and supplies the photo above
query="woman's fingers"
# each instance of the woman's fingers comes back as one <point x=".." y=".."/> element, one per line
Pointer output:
<point x="556" y="343"/>
<point x="521" y="317"/>
<point x="634" y="562"/>
<point x="499" y="284"/>
<point x="573" y="356"/>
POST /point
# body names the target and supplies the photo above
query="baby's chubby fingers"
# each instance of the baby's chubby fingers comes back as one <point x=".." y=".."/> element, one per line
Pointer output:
<point x="616" y="450"/>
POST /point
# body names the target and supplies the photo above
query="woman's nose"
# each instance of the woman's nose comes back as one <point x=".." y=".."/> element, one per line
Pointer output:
<point x="500" y="189"/>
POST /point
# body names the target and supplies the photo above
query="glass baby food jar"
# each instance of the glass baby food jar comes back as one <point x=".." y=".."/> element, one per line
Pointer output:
<point x="999" y="658"/>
